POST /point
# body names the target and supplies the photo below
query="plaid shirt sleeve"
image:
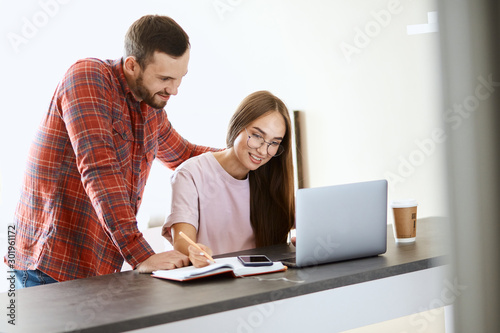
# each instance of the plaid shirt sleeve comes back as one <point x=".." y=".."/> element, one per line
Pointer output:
<point x="87" y="112"/>
<point x="173" y="149"/>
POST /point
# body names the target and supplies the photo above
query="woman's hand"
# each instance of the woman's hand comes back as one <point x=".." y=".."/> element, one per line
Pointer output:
<point x="197" y="258"/>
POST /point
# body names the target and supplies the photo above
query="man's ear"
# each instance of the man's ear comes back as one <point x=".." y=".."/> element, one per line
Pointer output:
<point x="131" y="66"/>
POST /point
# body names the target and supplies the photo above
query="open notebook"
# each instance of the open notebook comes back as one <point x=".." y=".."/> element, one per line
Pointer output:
<point x="221" y="266"/>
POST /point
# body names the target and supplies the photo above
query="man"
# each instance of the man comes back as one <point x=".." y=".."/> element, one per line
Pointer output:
<point x="88" y="164"/>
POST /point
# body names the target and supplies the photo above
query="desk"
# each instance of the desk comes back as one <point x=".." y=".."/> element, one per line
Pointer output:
<point x="407" y="279"/>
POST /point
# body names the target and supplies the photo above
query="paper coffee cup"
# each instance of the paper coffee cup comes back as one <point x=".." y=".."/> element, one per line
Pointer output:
<point x="405" y="220"/>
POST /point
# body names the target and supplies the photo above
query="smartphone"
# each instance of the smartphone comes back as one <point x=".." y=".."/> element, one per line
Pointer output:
<point x="255" y="260"/>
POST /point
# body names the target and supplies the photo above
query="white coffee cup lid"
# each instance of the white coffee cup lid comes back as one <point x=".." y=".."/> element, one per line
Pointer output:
<point x="404" y="203"/>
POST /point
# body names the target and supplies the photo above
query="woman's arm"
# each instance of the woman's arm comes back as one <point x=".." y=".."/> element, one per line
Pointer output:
<point x="180" y="244"/>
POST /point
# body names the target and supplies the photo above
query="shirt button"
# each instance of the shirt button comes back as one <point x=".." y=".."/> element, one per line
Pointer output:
<point x="139" y="198"/>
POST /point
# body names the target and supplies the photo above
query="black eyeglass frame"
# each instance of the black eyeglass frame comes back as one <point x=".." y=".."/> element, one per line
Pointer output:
<point x="278" y="152"/>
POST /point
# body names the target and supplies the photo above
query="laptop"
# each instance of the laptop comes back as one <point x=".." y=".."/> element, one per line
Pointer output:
<point x="341" y="222"/>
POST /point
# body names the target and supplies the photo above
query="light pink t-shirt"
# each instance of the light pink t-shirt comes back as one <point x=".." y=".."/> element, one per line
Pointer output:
<point x="216" y="204"/>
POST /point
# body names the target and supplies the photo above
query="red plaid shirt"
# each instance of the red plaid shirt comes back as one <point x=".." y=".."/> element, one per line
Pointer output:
<point x="86" y="173"/>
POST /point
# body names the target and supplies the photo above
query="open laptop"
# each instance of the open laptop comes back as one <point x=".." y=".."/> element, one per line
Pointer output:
<point x="341" y="222"/>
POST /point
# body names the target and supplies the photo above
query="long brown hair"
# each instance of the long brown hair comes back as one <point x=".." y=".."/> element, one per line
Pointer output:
<point x="272" y="202"/>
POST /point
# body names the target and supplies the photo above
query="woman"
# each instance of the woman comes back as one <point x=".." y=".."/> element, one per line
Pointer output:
<point x="241" y="197"/>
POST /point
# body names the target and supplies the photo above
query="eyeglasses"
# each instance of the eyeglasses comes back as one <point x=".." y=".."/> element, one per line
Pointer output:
<point x="256" y="141"/>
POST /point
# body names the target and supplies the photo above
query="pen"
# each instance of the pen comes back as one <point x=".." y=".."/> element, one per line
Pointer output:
<point x="196" y="245"/>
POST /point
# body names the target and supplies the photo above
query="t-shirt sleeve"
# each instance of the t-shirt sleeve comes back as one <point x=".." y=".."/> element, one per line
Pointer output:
<point x="185" y="203"/>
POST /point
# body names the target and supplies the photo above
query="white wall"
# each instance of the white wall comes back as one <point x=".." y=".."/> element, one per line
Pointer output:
<point x="369" y="91"/>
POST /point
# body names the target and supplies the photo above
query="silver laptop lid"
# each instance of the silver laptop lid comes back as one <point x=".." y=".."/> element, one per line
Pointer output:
<point x="341" y="222"/>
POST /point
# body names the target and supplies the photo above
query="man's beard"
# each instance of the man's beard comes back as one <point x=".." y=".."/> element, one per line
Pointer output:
<point x="143" y="93"/>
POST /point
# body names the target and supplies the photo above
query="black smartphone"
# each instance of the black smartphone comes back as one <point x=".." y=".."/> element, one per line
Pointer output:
<point x="255" y="260"/>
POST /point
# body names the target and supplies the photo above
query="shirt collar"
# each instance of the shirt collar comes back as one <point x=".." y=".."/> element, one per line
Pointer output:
<point x="117" y="66"/>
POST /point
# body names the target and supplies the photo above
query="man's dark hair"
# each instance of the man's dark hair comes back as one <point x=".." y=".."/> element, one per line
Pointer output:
<point x="153" y="33"/>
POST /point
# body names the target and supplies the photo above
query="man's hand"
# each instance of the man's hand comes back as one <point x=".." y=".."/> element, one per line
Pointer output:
<point x="163" y="260"/>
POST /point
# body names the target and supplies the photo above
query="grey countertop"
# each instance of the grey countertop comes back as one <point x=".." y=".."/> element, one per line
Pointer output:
<point x="129" y="300"/>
